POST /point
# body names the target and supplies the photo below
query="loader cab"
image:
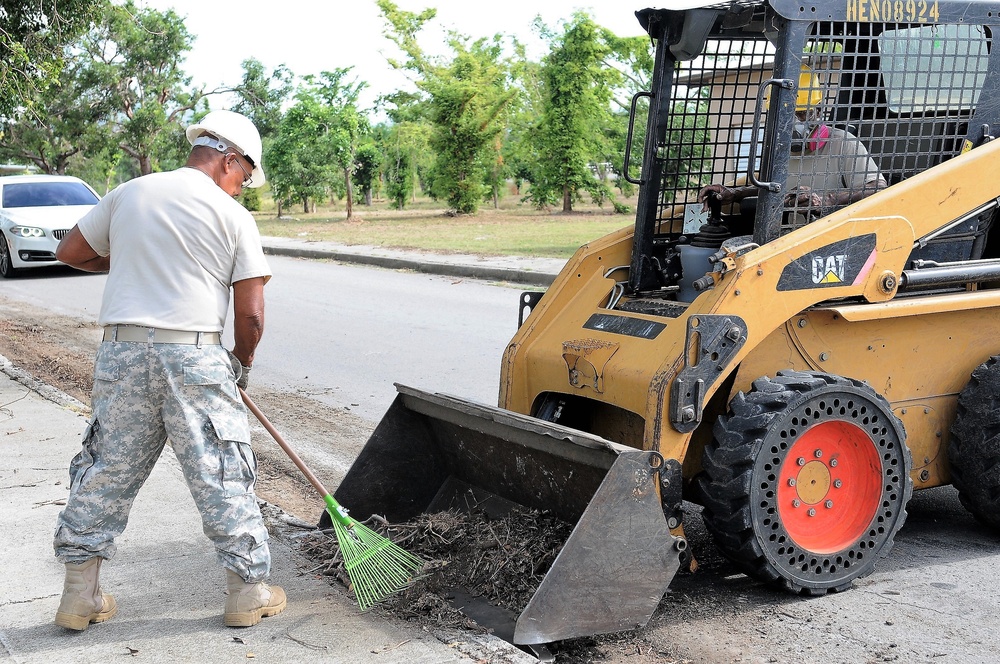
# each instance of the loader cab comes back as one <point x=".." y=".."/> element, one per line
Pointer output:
<point x="914" y="83"/>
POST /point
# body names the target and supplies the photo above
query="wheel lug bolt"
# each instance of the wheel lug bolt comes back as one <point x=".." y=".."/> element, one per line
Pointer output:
<point x="837" y="484"/>
<point x="795" y="503"/>
<point x="833" y="463"/>
<point x="828" y="504"/>
<point x="791" y="481"/>
<point x="801" y="461"/>
<point x="811" y="512"/>
<point x="818" y="454"/>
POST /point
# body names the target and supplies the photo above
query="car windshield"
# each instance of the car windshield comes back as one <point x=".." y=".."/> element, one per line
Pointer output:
<point x="43" y="194"/>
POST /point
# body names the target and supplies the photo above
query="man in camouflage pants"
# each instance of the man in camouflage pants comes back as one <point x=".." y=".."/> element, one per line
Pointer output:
<point x="180" y="243"/>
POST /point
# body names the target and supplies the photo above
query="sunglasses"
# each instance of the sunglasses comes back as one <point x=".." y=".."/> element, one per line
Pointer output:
<point x="248" y="179"/>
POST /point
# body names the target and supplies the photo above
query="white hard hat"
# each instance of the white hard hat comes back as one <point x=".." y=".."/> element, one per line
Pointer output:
<point x="235" y="131"/>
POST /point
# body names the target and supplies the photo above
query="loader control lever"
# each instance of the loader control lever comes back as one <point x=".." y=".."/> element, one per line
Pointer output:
<point x="714" y="207"/>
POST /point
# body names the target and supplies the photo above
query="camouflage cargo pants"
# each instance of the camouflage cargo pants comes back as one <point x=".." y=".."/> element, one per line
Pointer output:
<point x="145" y="394"/>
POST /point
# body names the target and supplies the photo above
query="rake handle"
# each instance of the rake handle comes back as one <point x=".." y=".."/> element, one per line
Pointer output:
<point x="284" y="446"/>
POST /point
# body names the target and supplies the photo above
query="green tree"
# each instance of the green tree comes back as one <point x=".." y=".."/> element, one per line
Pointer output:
<point x="312" y="152"/>
<point x="519" y="153"/>
<point x="32" y="38"/>
<point x="409" y="132"/>
<point x="570" y="135"/>
<point x="61" y="124"/>
<point x="300" y="158"/>
<point x="260" y="95"/>
<point x="368" y="167"/>
<point x="467" y="98"/>
<point x="399" y="178"/>
<point x="630" y="60"/>
<point x="134" y="56"/>
<point x="250" y="199"/>
<point x="347" y="125"/>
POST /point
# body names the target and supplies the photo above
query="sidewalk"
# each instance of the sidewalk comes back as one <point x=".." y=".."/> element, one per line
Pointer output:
<point x="530" y="271"/>
<point x="169" y="588"/>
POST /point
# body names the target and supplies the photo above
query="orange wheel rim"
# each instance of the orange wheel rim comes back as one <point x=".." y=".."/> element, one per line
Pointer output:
<point x="829" y="487"/>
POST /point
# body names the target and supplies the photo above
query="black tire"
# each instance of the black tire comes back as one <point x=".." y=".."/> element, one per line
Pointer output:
<point x="806" y="481"/>
<point x="974" y="445"/>
<point x="7" y="269"/>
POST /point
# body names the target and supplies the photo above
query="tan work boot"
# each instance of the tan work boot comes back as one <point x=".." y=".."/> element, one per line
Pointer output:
<point x="249" y="602"/>
<point x="82" y="600"/>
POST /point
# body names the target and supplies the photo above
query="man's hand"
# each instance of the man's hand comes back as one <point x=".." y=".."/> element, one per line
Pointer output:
<point x="719" y="192"/>
<point x="241" y="370"/>
<point x="803" y="197"/>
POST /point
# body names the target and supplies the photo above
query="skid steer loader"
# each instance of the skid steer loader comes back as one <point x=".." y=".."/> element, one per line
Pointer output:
<point x="796" y="373"/>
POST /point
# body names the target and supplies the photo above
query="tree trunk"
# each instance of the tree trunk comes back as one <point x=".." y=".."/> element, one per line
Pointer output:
<point x="350" y="192"/>
<point x="368" y="196"/>
<point x="278" y="202"/>
<point x="567" y="199"/>
<point x="305" y="205"/>
<point x="145" y="164"/>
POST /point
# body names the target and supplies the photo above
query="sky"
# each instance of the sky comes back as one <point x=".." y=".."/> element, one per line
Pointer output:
<point x="310" y="36"/>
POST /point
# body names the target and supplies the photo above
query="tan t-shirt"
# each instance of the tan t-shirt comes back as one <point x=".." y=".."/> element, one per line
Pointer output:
<point x="177" y="242"/>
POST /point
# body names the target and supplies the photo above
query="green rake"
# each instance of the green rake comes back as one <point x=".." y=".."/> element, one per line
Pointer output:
<point x="376" y="567"/>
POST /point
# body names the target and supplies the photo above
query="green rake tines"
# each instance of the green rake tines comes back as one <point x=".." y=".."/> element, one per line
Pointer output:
<point x="376" y="567"/>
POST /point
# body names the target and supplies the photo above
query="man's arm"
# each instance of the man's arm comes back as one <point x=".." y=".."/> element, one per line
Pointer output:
<point x="846" y="196"/>
<point x="724" y="194"/>
<point x="248" y="318"/>
<point x="75" y="251"/>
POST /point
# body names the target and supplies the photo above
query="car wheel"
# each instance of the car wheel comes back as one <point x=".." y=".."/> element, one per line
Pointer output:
<point x="7" y="269"/>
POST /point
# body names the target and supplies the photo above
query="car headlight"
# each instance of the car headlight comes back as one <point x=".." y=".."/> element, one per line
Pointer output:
<point x="27" y="231"/>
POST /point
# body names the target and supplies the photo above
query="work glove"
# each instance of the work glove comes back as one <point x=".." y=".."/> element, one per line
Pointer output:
<point x="241" y="370"/>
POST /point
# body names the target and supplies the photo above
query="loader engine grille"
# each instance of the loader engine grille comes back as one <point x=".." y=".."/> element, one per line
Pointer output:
<point x="906" y="92"/>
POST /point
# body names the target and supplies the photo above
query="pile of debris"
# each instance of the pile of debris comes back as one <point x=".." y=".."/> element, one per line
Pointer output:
<point x="502" y="559"/>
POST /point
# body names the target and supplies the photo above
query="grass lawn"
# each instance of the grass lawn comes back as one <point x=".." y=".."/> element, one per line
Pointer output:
<point x="513" y="229"/>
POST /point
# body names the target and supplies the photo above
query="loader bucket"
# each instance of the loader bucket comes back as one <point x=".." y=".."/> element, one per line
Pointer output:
<point x="430" y="450"/>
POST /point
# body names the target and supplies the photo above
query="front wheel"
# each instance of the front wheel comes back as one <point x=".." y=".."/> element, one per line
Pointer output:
<point x="806" y="481"/>
<point x="7" y="269"/>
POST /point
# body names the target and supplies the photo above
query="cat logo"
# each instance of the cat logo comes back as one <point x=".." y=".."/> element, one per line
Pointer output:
<point x="841" y="263"/>
<point x="829" y="269"/>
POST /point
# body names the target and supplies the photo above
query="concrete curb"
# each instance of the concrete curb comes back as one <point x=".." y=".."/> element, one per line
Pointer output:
<point x="451" y="269"/>
<point x="42" y="389"/>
